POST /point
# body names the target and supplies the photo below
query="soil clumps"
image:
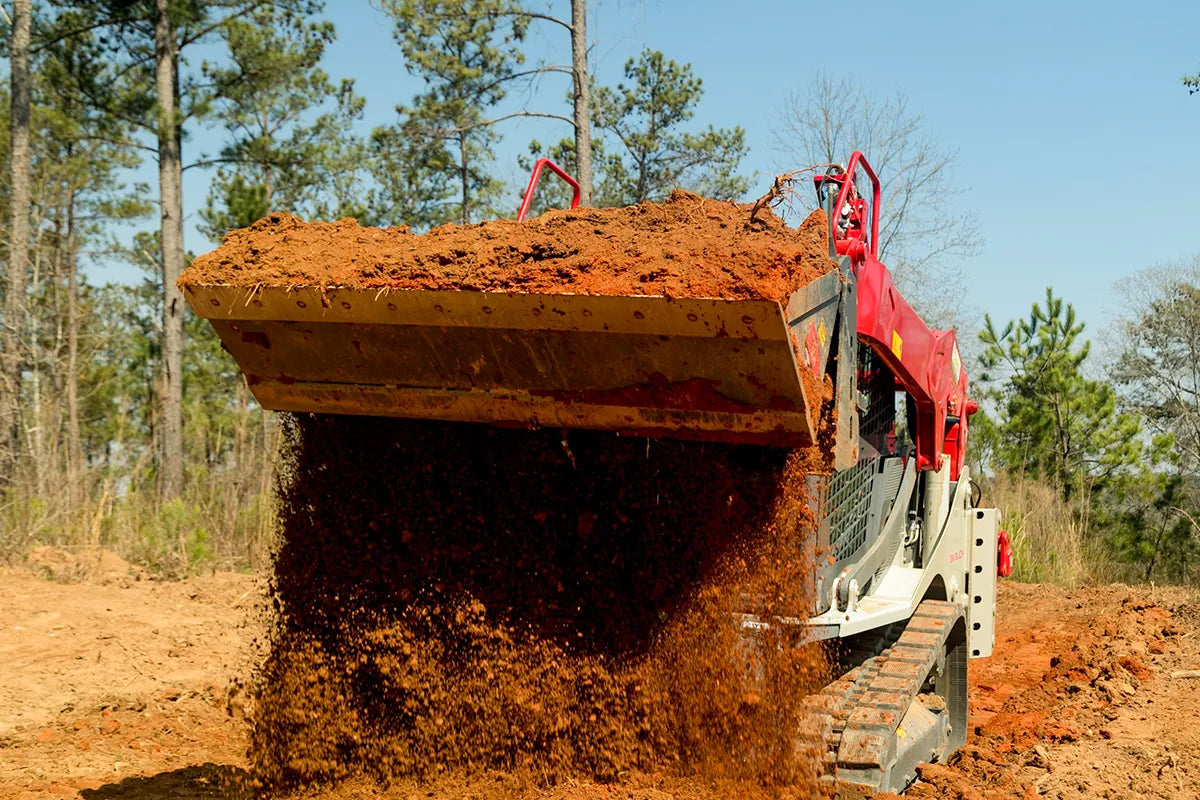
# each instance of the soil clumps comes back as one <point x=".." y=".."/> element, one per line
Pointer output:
<point x="454" y="598"/>
<point x="458" y="599"/>
<point x="688" y="246"/>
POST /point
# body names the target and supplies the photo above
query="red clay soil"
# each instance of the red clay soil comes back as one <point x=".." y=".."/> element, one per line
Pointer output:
<point x="687" y="246"/>
<point x="114" y="692"/>
<point x="458" y="599"/>
<point x="1070" y="671"/>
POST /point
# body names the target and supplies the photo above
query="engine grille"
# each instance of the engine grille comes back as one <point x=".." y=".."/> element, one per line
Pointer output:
<point x="876" y="400"/>
<point x="847" y="507"/>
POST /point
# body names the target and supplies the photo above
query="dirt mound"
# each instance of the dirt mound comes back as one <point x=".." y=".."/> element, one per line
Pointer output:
<point x="81" y="563"/>
<point x="1099" y="671"/>
<point x="688" y="246"/>
<point x="460" y="599"/>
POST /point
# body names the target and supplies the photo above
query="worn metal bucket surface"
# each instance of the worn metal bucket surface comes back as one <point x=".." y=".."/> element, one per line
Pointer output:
<point x="726" y="370"/>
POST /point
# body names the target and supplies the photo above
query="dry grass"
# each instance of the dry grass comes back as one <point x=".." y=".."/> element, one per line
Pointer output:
<point x="1050" y="537"/>
<point x="224" y="520"/>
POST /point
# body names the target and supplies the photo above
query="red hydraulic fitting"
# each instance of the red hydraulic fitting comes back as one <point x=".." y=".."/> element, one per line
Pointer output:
<point x="1004" y="555"/>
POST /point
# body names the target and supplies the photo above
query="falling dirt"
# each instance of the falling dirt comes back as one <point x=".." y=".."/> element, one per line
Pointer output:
<point x="461" y="599"/>
<point x="687" y="246"/>
<point x="454" y="598"/>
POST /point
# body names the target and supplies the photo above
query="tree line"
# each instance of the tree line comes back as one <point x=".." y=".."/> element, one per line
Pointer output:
<point x="121" y="420"/>
<point x="1112" y="440"/>
<point x="114" y="391"/>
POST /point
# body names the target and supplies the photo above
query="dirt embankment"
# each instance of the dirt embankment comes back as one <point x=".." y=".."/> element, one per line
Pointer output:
<point x="688" y="246"/>
<point x="1079" y="700"/>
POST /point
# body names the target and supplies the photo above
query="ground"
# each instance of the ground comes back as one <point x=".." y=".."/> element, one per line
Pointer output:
<point x="117" y="687"/>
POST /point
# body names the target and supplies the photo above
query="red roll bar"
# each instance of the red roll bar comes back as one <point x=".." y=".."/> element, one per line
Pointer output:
<point x="533" y="182"/>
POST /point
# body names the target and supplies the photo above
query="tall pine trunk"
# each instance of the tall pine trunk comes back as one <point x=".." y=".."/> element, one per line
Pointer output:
<point x="39" y="464"/>
<point x="74" y="440"/>
<point x="170" y="179"/>
<point x="18" y="244"/>
<point x="583" y="99"/>
<point x="465" y="177"/>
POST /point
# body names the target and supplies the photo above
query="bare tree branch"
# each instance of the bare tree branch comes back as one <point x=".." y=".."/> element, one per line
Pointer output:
<point x="445" y="133"/>
<point x="523" y="14"/>
<point x="924" y="231"/>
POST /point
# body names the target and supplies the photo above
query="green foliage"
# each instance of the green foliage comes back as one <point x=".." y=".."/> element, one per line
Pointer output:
<point x="1052" y="422"/>
<point x="652" y="154"/>
<point x="465" y="51"/>
<point x="174" y="540"/>
<point x="1156" y="367"/>
<point x="1154" y="519"/>
<point x="1126" y="500"/>
<point x="121" y="358"/>
<point x="233" y="202"/>
<point x="289" y="146"/>
<point x="414" y="177"/>
<point x="1147" y="523"/>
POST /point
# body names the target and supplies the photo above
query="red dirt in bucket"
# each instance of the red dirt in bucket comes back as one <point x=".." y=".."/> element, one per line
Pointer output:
<point x="687" y="246"/>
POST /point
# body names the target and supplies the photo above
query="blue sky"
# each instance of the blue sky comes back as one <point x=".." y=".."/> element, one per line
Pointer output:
<point x="1076" y="143"/>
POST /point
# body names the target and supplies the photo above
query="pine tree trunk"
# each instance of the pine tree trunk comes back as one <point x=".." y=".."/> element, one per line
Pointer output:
<point x="18" y="249"/>
<point x="74" y="440"/>
<point x="583" y="99"/>
<point x="170" y="189"/>
<point x="465" y="177"/>
<point x="268" y="172"/>
<point x="35" y="441"/>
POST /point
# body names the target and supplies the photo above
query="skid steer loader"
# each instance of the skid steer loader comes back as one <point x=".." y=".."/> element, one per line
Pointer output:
<point x="908" y="584"/>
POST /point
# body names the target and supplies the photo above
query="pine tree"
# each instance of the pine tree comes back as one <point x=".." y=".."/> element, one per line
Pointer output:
<point x="288" y="123"/>
<point x="651" y="154"/>
<point x="80" y="165"/>
<point x="465" y="51"/>
<point x="18" y="239"/>
<point x="149" y="40"/>
<point x="413" y="181"/>
<point x="1052" y="422"/>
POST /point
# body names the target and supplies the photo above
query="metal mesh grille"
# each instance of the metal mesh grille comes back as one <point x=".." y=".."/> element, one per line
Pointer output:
<point x="893" y="472"/>
<point x="847" y="508"/>
<point x="876" y="398"/>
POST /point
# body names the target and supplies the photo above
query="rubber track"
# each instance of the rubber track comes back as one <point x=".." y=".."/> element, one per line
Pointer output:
<point x="853" y="720"/>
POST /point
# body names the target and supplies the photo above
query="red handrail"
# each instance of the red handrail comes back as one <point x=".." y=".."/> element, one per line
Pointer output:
<point x="533" y="182"/>
<point x="857" y="159"/>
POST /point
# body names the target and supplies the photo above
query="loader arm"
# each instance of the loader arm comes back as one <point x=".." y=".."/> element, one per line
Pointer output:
<point x="926" y="362"/>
